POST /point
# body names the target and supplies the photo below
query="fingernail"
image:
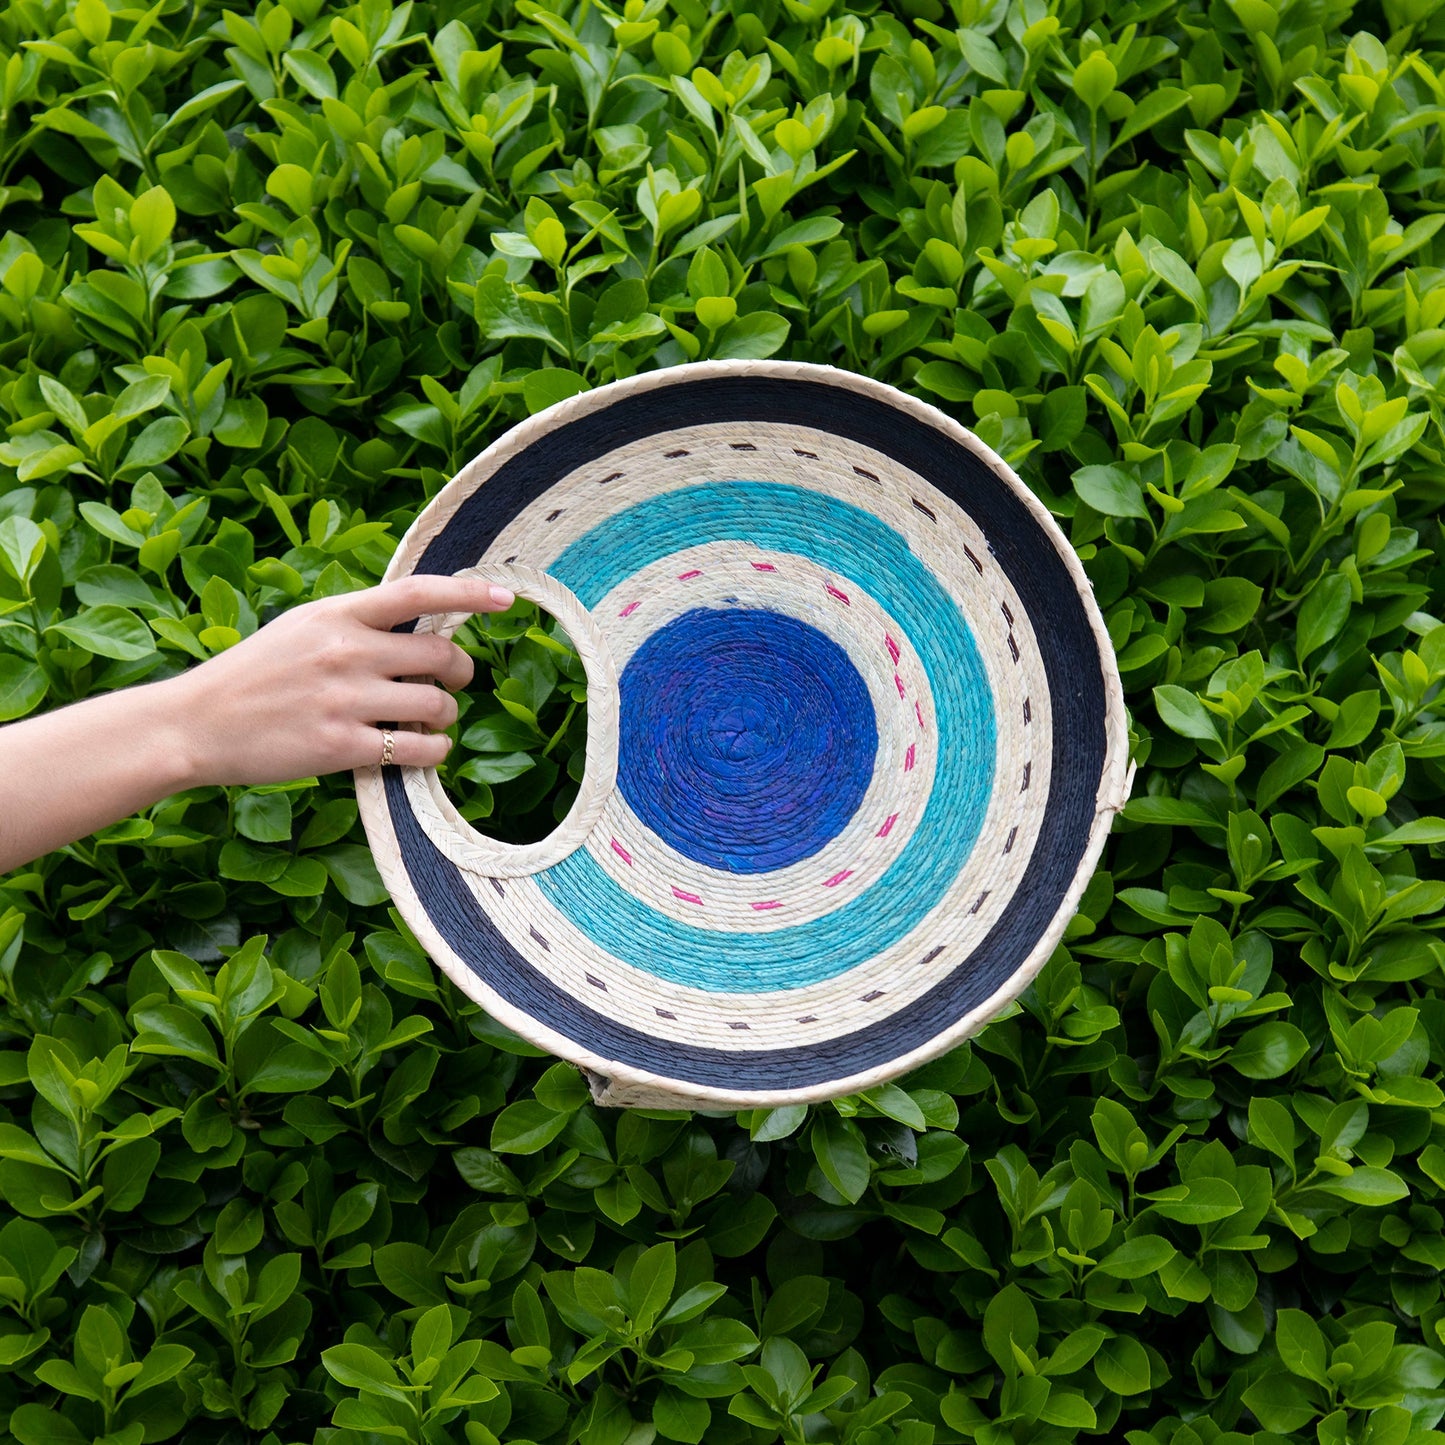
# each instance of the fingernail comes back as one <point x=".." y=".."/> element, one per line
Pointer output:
<point x="502" y="597"/>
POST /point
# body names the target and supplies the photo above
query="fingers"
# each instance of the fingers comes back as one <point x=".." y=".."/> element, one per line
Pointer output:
<point x="408" y="749"/>
<point x="413" y="702"/>
<point x="411" y="597"/>
<point x="404" y="654"/>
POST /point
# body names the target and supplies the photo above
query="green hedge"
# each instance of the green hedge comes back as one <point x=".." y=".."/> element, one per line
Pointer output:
<point x="268" y="276"/>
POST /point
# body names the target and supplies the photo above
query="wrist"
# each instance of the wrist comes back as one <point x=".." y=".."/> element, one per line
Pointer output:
<point x="177" y="739"/>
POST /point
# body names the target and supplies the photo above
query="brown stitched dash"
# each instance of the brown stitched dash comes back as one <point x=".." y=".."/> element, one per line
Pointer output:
<point x="662" y="1013"/>
<point x="927" y="511"/>
<point x="742" y="446"/>
<point x="1028" y="713"/>
<point x="541" y="940"/>
<point x="1028" y="772"/>
<point x="680" y="452"/>
<point x="552" y="516"/>
<point x="736" y="1025"/>
<point x="610" y="477"/>
<point x="979" y="903"/>
<point x="1008" y="846"/>
<point x="1007" y="615"/>
<point x="929" y="957"/>
<point x="510" y="560"/>
<point x="977" y="565"/>
<point x="868" y="476"/>
<point x="808" y="1019"/>
<point x="596" y="983"/>
<point x="497" y="884"/>
<point x="869" y="997"/>
<point x="799" y="452"/>
<point x="1013" y="647"/>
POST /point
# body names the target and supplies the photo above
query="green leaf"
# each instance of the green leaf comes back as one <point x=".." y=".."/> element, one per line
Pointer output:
<point x="1173" y="270"/>
<point x="1067" y="1409"/>
<point x="108" y="631"/>
<point x="1154" y="107"/>
<point x="1061" y="420"/>
<point x="22" y="545"/>
<point x="34" y="1424"/>
<point x="1122" y="1366"/>
<point x="1280" y="1403"/>
<point x="1322" y="614"/>
<point x="842" y="1155"/>
<point x="525" y="1127"/>
<point x="292" y="1069"/>
<point x="352" y="868"/>
<point x="1183" y="712"/>
<point x="1268" y="1051"/>
<point x="1368" y="1185"/>
<point x="1094" y="79"/>
<point x="1110" y="490"/>
<point x="432" y="1335"/>
<point x="164" y="1362"/>
<point x="408" y="1272"/>
<point x="23" y="685"/>
<point x="1138" y="1257"/>
<point x="547" y="387"/>
<point x="157" y="443"/>
<point x="242" y="423"/>
<point x="750" y="338"/>
<point x="264" y="817"/>
<point x="680" y="1417"/>
<point x="1229" y="603"/>
<point x="1419" y="830"/>
<point x="1302" y="1349"/>
<point x="499" y="733"/>
<point x="1010" y="1322"/>
<point x="1206" y="1201"/>
<point x="315" y="75"/>
<point x="650" y="1287"/>
<point x="1271" y="1127"/>
<point x="364" y="1369"/>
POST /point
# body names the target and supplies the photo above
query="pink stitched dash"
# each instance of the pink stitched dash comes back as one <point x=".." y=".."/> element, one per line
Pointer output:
<point x="908" y="759"/>
<point x="837" y="878"/>
<point x="841" y="596"/>
<point x="686" y="897"/>
<point x="771" y="903"/>
<point x="629" y="609"/>
<point x="892" y="648"/>
<point x="688" y="576"/>
<point x="918" y="708"/>
<point x="883" y="832"/>
<point x="622" y="852"/>
<point x="899" y="681"/>
<point x="764" y="567"/>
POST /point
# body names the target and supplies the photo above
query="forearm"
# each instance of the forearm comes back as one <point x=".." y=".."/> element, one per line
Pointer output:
<point x="316" y="691"/>
<point x="66" y="774"/>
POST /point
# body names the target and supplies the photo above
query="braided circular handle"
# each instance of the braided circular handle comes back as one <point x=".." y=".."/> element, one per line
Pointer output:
<point x="434" y="810"/>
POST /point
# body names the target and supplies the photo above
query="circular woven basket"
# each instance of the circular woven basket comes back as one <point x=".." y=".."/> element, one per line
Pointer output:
<point x="855" y="737"/>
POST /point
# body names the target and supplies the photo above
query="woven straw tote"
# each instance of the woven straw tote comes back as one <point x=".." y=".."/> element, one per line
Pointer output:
<point x="855" y="737"/>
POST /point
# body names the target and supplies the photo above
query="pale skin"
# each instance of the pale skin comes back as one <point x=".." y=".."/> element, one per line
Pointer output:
<point x="304" y="695"/>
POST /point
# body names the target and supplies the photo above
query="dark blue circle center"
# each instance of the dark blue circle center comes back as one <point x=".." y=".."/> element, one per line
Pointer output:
<point x="747" y="738"/>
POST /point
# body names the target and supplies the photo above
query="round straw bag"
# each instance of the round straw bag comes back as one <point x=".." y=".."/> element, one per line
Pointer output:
<point x="855" y="737"/>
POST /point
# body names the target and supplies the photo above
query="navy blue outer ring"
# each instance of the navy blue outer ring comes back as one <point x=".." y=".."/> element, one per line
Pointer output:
<point x="1066" y="642"/>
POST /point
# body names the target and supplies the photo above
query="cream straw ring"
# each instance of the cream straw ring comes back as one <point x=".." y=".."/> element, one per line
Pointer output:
<point x="855" y="737"/>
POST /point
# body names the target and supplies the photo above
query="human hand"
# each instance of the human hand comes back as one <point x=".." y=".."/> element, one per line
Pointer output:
<point x="307" y="693"/>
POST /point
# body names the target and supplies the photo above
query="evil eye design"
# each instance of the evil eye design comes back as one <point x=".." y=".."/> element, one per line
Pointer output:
<point x="864" y="729"/>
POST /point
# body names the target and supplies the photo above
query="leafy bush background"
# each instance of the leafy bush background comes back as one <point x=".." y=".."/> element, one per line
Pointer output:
<point x="269" y="275"/>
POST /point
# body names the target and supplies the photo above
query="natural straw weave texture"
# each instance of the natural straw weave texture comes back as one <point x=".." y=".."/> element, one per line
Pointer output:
<point x="855" y="737"/>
